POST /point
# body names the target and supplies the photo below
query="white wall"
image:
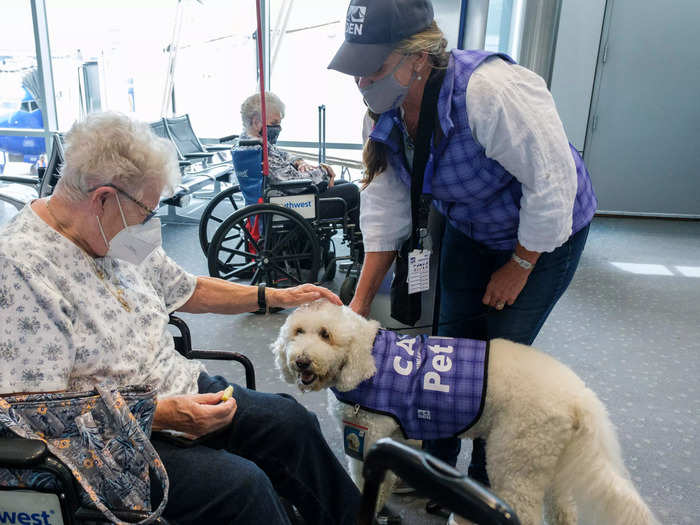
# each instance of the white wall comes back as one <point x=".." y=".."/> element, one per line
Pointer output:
<point x="575" y="60"/>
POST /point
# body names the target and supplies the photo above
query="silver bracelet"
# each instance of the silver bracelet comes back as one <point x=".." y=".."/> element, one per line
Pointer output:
<point x="526" y="265"/>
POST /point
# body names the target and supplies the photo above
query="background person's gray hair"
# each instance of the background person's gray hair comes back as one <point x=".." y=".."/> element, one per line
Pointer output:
<point x="250" y="109"/>
<point x="110" y="147"/>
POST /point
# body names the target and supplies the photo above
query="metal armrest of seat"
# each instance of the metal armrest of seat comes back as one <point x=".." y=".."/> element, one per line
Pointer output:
<point x="21" y="453"/>
<point x="29" y="180"/>
<point x="431" y="478"/>
<point x="184" y="163"/>
<point x="197" y="155"/>
<point x="216" y="147"/>
<point x="228" y="138"/>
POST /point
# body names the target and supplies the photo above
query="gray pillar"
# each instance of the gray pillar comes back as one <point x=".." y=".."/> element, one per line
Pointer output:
<point x="475" y="30"/>
<point x="540" y="28"/>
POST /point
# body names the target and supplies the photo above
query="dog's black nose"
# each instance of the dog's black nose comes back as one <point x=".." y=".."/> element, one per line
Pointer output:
<point x="303" y="363"/>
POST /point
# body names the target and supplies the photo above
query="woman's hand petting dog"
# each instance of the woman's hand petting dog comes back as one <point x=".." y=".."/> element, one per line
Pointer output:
<point x="298" y="295"/>
<point x="196" y="415"/>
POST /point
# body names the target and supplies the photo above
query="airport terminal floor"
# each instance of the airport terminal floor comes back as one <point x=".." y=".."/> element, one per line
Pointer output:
<point x="628" y="325"/>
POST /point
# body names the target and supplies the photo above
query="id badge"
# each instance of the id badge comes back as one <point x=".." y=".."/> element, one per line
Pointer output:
<point x="418" y="271"/>
<point x="354" y="440"/>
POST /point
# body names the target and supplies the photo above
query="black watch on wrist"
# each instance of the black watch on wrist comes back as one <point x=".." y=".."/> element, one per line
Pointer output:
<point x="262" y="302"/>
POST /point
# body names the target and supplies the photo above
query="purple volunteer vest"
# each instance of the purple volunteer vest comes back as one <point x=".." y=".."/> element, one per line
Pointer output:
<point x="434" y="387"/>
<point x="477" y="195"/>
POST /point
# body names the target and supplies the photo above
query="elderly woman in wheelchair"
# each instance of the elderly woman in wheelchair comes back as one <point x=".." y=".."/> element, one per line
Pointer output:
<point x="85" y="295"/>
<point x="262" y="242"/>
<point x="284" y="166"/>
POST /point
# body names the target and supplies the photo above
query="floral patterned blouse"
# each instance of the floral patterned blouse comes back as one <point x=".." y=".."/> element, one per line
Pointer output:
<point x="62" y="328"/>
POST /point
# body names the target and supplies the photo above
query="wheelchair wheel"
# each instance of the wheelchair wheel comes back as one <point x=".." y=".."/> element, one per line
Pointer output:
<point x="265" y="243"/>
<point x="347" y="289"/>
<point x="223" y="205"/>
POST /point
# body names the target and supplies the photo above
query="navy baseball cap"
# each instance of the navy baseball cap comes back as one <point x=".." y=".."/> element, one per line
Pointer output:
<point x="373" y="28"/>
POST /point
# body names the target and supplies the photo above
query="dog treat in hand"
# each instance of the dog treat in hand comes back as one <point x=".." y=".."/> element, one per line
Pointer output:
<point x="227" y="393"/>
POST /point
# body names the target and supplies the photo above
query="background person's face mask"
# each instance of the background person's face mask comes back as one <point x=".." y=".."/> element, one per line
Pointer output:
<point x="134" y="243"/>
<point x="386" y="93"/>
<point x="273" y="132"/>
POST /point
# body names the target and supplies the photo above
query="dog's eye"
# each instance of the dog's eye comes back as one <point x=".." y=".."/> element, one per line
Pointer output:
<point x="324" y="334"/>
<point x="298" y="331"/>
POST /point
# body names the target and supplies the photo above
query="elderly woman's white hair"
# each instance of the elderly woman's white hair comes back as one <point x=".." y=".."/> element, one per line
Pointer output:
<point x="111" y="148"/>
<point x="250" y="109"/>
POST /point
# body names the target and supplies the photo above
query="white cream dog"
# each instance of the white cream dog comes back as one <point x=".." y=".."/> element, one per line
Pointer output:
<point x="549" y="439"/>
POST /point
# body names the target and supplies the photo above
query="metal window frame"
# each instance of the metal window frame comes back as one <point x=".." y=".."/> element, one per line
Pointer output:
<point x="45" y="69"/>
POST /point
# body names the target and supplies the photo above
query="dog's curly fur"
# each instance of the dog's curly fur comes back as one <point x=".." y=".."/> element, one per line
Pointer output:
<point x="549" y="439"/>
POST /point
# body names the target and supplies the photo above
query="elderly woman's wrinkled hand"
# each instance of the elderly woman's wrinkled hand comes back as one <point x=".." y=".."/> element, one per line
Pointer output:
<point x="195" y="414"/>
<point x="298" y="295"/>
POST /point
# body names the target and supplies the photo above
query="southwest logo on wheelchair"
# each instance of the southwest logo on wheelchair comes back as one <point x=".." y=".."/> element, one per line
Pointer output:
<point x="26" y="518"/>
<point x="306" y="204"/>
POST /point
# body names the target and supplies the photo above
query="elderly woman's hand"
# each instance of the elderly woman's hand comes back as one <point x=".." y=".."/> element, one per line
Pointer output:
<point x="298" y="295"/>
<point x="196" y="414"/>
<point x="331" y="174"/>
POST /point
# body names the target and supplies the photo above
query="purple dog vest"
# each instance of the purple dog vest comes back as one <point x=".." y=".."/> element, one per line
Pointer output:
<point x="434" y="387"/>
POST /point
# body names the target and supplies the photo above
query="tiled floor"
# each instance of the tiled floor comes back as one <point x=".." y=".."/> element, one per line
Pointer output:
<point x="629" y="325"/>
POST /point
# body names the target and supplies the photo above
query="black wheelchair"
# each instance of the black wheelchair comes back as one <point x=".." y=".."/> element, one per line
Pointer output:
<point x="54" y="497"/>
<point x="275" y="233"/>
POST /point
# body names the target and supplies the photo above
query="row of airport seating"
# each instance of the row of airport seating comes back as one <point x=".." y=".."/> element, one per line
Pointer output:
<point x="201" y="166"/>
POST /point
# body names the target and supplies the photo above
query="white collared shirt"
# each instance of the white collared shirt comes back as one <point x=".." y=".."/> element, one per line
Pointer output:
<point x="62" y="327"/>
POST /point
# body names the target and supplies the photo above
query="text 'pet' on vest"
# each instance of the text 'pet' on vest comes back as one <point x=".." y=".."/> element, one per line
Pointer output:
<point x="476" y="193"/>
<point x="433" y="387"/>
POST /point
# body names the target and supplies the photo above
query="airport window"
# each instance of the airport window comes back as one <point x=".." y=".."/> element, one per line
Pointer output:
<point x="18" y="74"/>
<point x="147" y="59"/>
<point x="503" y="26"/>
<point x="20" y="90"/>
<point x="305" y="34"/>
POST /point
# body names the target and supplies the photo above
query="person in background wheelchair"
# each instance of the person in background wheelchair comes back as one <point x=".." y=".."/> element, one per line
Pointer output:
<point x="85" y="293"/>
<point x="285" y="166"/>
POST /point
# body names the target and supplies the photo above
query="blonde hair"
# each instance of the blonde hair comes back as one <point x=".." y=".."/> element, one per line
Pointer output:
<point x="431" y="41"/>
<point x="110" y="147"/>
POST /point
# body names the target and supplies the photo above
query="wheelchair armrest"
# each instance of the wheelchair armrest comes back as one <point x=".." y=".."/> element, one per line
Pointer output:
<point x="89" y="514"/>
<point x="16" y="453"/>
<point x="434" y="479"/>
<point x="222" y="355"/>
<point x="293" y="187"/>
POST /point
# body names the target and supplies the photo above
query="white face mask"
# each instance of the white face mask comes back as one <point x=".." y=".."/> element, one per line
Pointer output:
<point x="134" y="243"/>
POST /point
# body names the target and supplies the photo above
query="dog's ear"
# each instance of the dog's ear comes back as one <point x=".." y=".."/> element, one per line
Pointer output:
<point x="278" y="348"/>
<point x="359" y="360"/>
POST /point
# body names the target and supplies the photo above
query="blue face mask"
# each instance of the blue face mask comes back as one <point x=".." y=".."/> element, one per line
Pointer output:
<point x="273" y="132"/>
<point x="386" y="93"/>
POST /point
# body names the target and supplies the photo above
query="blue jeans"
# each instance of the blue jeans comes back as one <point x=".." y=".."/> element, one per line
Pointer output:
<point x="466" y="267"/>
<point x="274" y="446"/>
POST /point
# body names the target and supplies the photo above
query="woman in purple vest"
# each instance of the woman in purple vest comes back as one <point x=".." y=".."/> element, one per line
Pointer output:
<point x="516" y="195"/>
